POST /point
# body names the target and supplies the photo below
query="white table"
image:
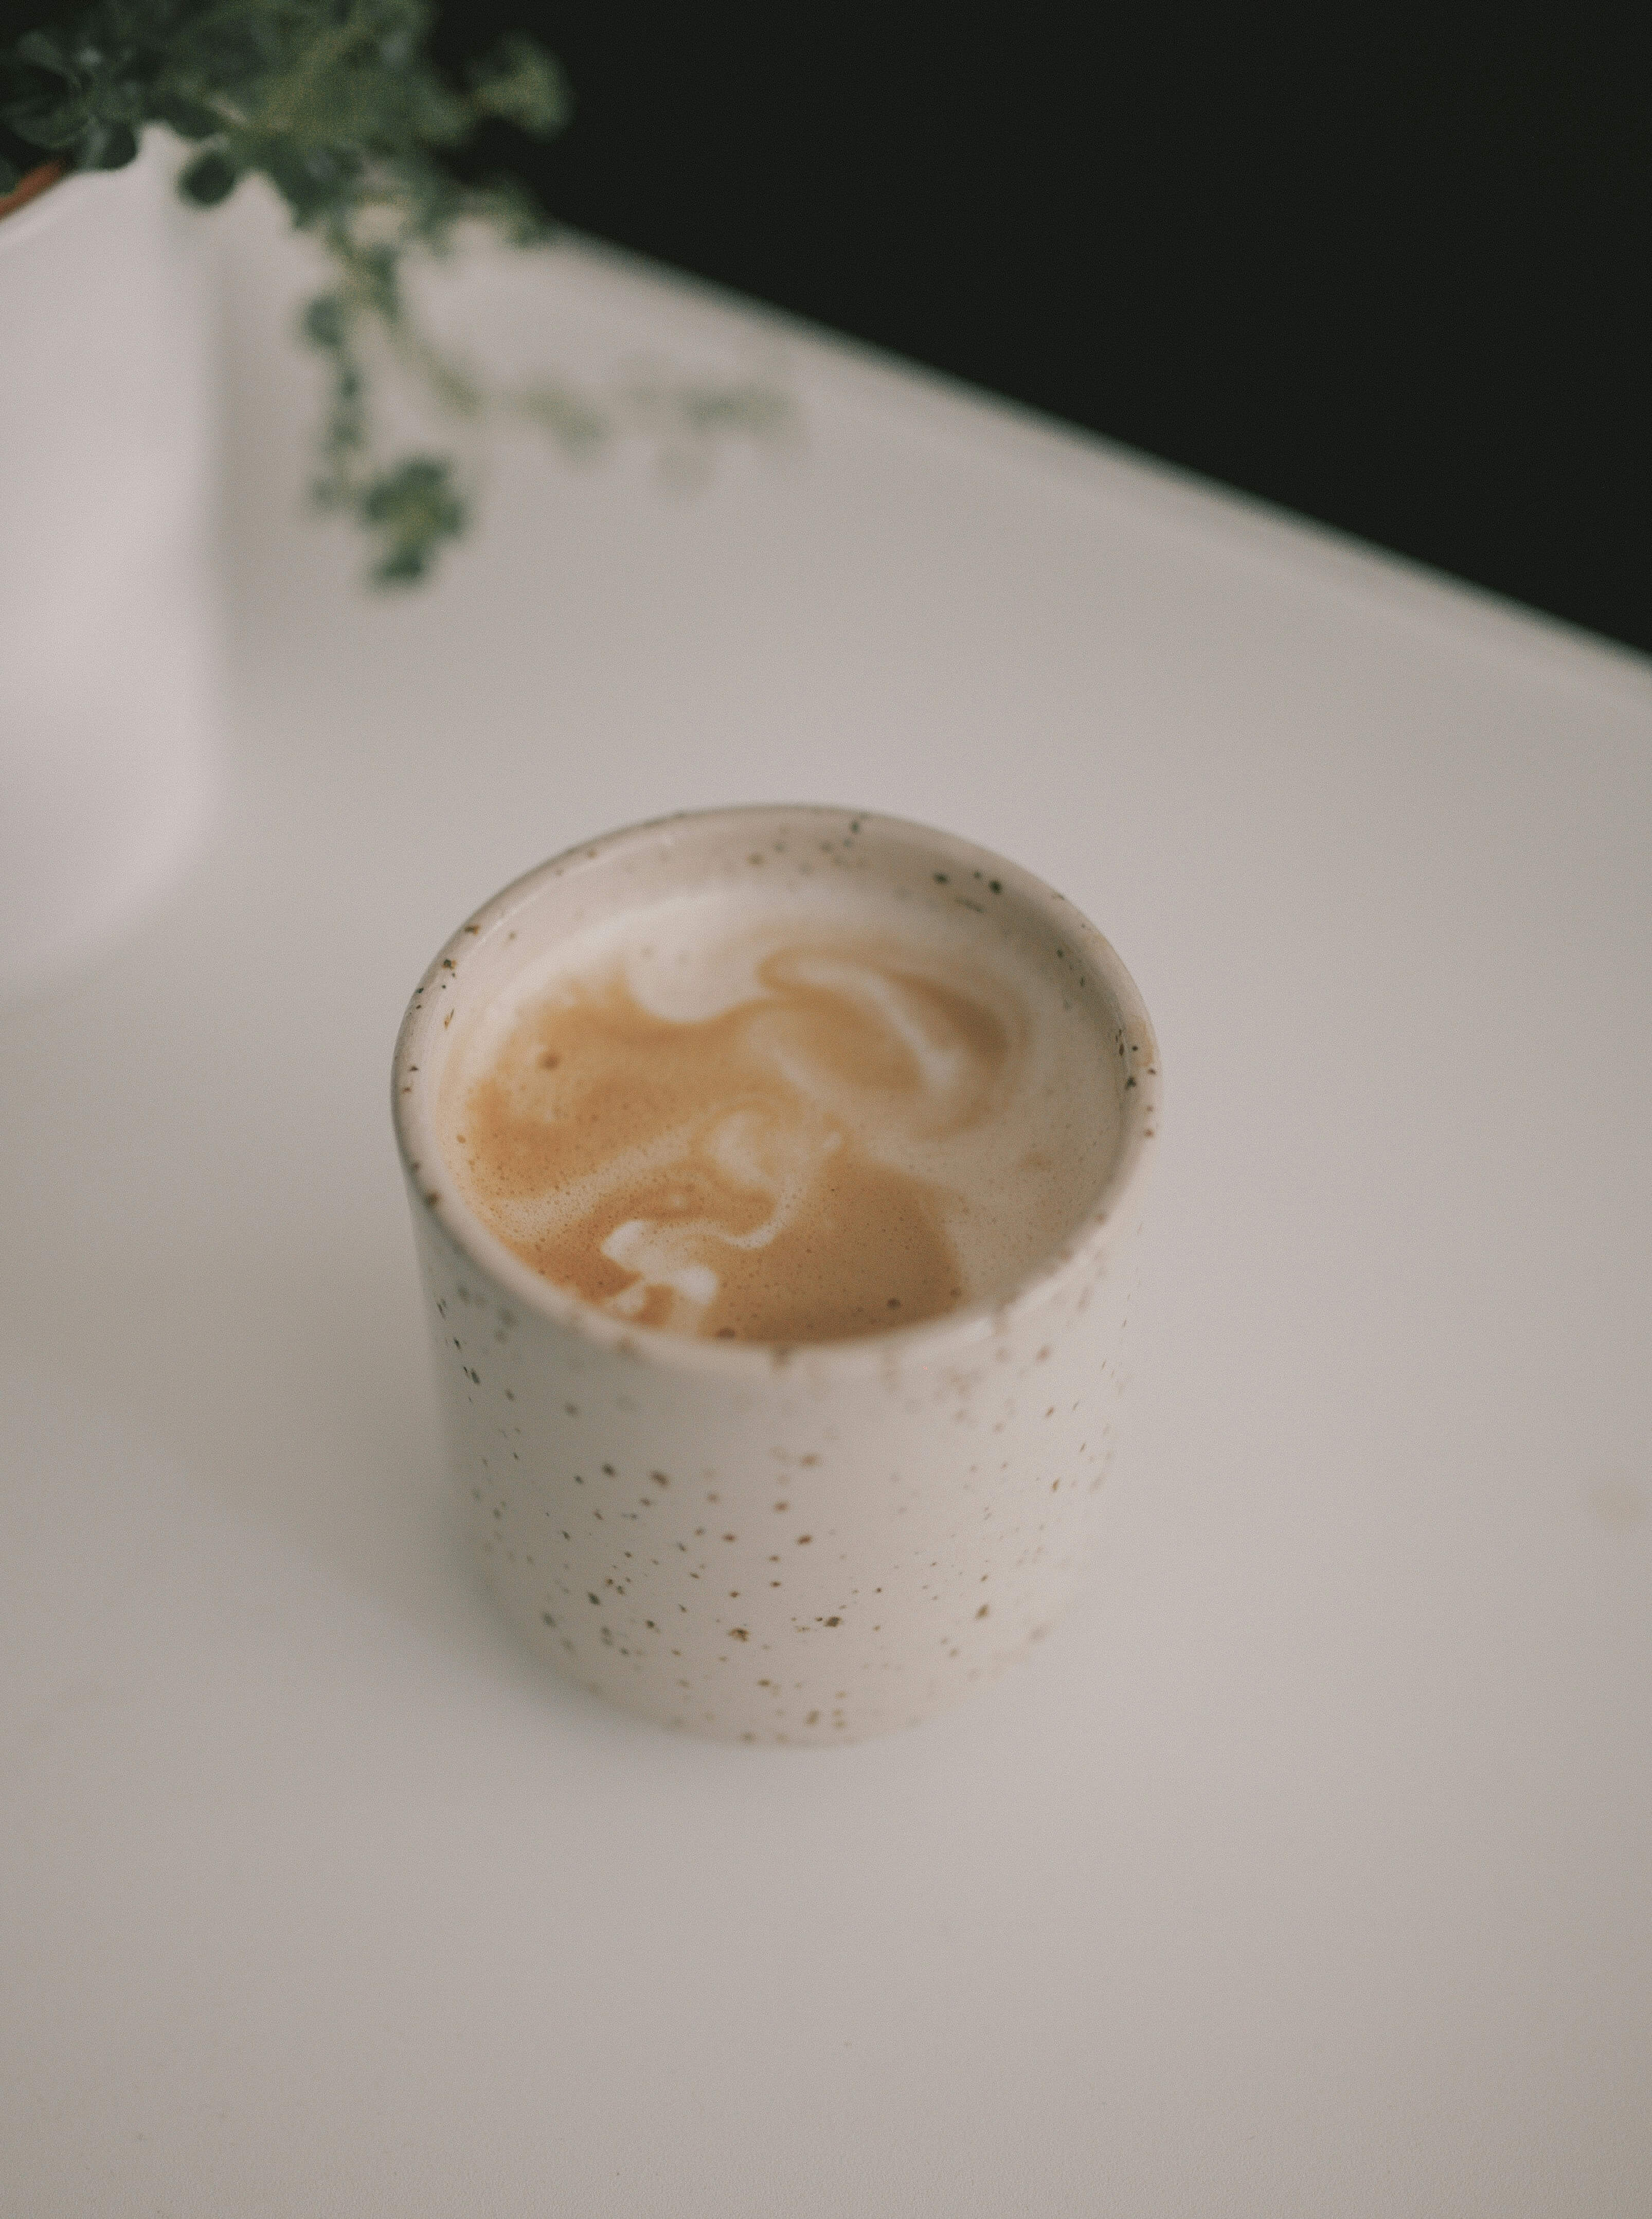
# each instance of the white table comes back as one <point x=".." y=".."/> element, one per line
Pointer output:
<point x="1307" y="1870"/>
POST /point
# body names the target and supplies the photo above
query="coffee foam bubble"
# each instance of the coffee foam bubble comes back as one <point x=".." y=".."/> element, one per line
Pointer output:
<point x="805" y="1119"/>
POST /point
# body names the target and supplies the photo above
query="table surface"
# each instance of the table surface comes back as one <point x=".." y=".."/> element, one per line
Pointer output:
<point x="1307" y="1868"/>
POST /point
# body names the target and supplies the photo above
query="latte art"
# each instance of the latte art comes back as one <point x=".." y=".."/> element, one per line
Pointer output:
<point x="781" y="1135"/>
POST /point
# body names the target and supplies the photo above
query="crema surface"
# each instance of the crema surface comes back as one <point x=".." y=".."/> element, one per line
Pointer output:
<point x="802" y="1127"/>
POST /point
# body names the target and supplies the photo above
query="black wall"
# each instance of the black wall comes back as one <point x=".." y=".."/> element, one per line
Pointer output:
<point x="1386" y="268"/>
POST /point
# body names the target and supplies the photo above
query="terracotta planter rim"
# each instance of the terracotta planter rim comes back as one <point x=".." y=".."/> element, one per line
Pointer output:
<point x="31" y="203"/>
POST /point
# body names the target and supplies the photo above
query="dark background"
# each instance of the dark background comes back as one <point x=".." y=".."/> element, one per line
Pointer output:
<point x="1385" y="268"/>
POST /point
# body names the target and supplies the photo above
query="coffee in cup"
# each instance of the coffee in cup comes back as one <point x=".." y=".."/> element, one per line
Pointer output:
<point x="787" y="1118"/>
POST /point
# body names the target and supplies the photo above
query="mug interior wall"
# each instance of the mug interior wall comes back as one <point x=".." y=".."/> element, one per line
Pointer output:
<point x="778" y="856"/>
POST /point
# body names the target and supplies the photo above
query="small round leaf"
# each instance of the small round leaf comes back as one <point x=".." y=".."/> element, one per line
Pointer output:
<point x="211" y="177"/>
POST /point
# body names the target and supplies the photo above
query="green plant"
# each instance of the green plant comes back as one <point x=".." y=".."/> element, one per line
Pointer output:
<point x="338" y="105"/>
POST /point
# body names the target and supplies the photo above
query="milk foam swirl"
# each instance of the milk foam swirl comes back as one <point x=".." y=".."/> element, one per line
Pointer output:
<point x="779" y="1133"/>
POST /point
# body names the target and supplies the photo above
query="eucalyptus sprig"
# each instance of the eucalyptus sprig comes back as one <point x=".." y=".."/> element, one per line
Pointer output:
<point x="338" y="105"/>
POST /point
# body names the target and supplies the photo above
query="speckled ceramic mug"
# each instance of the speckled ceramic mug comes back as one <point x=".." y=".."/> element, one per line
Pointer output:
<point x="758" y="1543"/>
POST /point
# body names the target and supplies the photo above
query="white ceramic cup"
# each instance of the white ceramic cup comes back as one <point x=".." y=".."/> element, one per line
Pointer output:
<point x="110" y="715"/>
<point x="750" y="1541"/>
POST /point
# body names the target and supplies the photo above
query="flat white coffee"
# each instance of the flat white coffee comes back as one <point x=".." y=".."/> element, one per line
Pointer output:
<point x="803" y="1122"/>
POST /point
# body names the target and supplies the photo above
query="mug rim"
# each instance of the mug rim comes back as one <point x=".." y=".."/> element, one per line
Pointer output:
<point x="433" y="1187"/>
